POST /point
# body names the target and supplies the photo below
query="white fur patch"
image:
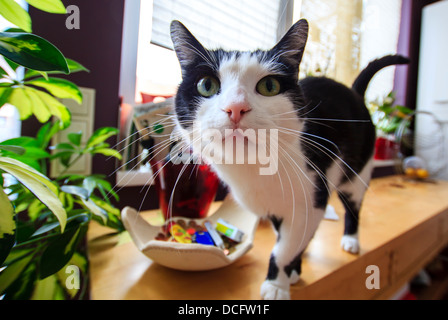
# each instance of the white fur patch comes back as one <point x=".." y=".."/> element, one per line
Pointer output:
<point x="269" y="291"/>
<point x="350" y="243"/>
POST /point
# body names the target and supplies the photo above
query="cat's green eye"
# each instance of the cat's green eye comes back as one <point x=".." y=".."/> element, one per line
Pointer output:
<point x="208" y="86"/>
<point x="269" y="87"/>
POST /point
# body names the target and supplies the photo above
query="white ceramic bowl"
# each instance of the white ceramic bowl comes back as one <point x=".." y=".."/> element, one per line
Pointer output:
<point x="191" y="257"/>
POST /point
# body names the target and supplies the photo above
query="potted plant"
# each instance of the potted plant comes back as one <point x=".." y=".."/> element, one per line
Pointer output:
<point x="43" y="221"/>
<point x="387" y="117"/>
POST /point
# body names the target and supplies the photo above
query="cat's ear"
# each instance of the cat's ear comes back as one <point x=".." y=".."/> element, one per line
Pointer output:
<point x="292" y="45"/>
<point x="187" y="47"/>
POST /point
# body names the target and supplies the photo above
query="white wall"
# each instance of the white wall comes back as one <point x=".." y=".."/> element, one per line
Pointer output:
<point x="432" y="138"/>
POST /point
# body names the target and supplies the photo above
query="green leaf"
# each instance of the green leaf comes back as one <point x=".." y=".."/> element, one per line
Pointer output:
<point x="45" y="134"/>
<point x="45" y="289"/>
<point x="33" y="73"/>
<point x="60" y="88"/>
<point x="54" y="107"/>
<point x="72" y="65"/>
<point x="32" y="51"/>
<point x="51" y="6"/>
<point x="12" y="272"/>
<point x="64" y="152"/>
<point x="75" y="138"/>
<point x="21" y="141"/>
<point x="22" y="287"/>
<point x="7" y="226"/>
<point x="52" y="226"/>
<point x="60" y="251"/>
<point x="108" y="152"/>
<point x="75" y="66"/>
<point x="20" y="99"/>
<point x="89" y="184"/>
<point x="96" y="210"/>
<point x="39" y="176"/>
<point x="12" y="64"/>
<point x="31" y="157"/>
<point x="36" y="153"/>
<point x="77" y="191"/>
<point x="38" y="184"/>
<point x="38" y="107"/>
<point x="14" y="149"/>
<point x="16" y="254"/>
<point x="15" y="14"/>
<point x="64" y="147"/>
<point x="106" y="206"/>
<point x="101" y="135"/>
<point x="5" y="93"/>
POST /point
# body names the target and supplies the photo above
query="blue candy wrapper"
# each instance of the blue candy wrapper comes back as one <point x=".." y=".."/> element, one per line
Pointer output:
<point x="203" y="238"/>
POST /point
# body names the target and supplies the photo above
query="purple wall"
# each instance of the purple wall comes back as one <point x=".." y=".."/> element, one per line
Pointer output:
<point x="97" y="45"/>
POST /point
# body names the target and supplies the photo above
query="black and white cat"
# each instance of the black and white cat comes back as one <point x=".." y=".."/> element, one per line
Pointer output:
<point x="319" y="130"/>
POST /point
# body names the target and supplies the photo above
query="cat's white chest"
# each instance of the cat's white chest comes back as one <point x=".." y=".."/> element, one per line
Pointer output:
<point x="278" y="194"/>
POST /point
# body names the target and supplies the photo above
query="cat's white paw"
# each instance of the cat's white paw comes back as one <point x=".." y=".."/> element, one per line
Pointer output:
<point x="295" y="277"/>
<point x="271" y="291"/>
<point x="350" y="243"/>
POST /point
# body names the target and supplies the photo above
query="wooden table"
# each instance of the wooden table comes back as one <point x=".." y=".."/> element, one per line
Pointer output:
<point x="404" y="225"/>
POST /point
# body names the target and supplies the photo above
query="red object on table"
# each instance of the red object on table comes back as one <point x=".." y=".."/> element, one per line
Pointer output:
<point x="185" y="190"/>
<point x="385" y="149"/>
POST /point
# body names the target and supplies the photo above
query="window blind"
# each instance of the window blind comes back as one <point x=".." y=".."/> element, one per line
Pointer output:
<point x="228" y="24"/>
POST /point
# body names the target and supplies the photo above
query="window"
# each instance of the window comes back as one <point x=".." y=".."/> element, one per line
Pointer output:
<point x="242" y="25"/>
<point x="344" y="36"/>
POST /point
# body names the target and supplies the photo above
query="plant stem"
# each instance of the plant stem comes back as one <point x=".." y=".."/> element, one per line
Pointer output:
<point x="70" y="165"/>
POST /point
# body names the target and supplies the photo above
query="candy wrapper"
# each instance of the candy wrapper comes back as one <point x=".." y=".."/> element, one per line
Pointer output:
<point x="224" y="235"/>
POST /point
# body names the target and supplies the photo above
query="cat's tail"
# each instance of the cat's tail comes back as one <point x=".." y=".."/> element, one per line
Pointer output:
<point x="362" y="82"/>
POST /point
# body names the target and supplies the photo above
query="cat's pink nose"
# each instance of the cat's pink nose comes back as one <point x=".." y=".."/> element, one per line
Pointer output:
<point x="236" y="111"/>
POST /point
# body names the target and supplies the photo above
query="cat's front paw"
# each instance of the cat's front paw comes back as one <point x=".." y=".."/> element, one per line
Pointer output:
<point x="272" y="291"/>
<point x="350" y="244"/>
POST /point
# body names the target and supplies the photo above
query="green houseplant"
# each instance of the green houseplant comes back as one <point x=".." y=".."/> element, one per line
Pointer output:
<point x="387" y="117"/>
<point x="43" y="221"/>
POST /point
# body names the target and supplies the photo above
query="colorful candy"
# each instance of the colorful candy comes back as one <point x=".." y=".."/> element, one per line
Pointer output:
<point x="229" y="231"/>
<point x="203" y="237"/>
<point x="224" y="236"/>
<point x="215" y="236"/>
<point x="179" y="234"/>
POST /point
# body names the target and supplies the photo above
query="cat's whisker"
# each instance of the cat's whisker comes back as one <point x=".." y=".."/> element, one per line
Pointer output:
<point x="322" y="149"/>
<point x="161" y="146"/>
<point x="170" y="204"/>
<point x="311" y="110"/>
<point x="142" y="137"/>
<point x="318" y="171"/>
<point x="301" y="133"/>
<point x="331" y="153"/>
<point x="276" y="151"/>
<point x="304" y="189"/>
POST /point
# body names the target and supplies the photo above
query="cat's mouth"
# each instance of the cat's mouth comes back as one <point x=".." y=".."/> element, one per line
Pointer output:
<point x="240" y="135"/>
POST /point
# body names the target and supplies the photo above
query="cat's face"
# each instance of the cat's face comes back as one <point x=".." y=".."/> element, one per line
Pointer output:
<point x="224" y="94"/>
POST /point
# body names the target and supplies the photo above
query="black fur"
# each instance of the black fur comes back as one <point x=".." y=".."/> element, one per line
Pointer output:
<point x="295" y="265"/>
<point x="273" y="269"/>
<point x="351" y="213"/>
<point x="362" y="82"/>
<point x="276" y="222"/>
